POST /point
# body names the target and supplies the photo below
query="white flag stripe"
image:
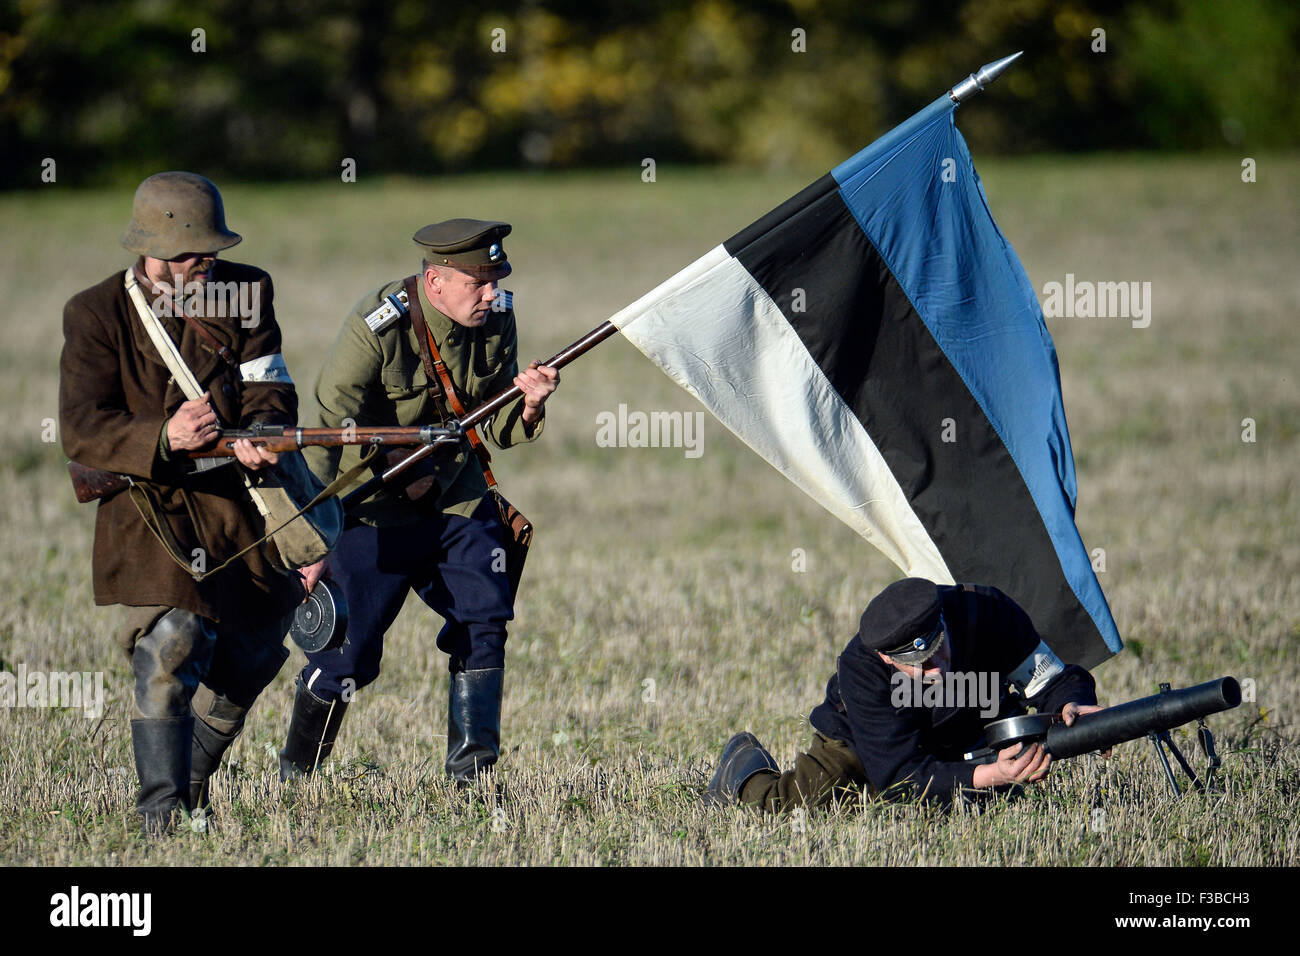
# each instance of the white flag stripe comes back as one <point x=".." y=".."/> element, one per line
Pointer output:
<point x="719" y="335"/>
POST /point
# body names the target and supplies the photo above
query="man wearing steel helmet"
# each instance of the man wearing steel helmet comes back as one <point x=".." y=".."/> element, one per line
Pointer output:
<point x="410" y="353"/>
<point x="866" y="734"/>
<point x="200" y="650"/>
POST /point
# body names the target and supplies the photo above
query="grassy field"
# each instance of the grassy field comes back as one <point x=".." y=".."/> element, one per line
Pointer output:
<point x="651" y="566"/>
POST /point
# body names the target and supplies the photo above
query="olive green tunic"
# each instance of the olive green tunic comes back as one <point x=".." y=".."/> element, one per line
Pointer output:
<point x="378" y="378"/>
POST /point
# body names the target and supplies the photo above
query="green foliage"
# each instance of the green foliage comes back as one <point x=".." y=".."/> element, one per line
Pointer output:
<point x="115" y="90"/>
<point x="1205" y="73"/>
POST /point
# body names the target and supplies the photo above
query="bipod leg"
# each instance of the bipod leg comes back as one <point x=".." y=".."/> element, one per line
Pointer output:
<point x="1182" y="762"/>
<point x="1206" y="740"/>
<point x="1156" y="741"/>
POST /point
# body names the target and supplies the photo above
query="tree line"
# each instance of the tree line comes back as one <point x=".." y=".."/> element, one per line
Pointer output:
<point x="292" y="89"/>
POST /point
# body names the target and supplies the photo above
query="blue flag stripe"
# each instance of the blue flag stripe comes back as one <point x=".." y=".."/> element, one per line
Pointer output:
<point x="916" y="197"/>
<point x="854" y="319"/>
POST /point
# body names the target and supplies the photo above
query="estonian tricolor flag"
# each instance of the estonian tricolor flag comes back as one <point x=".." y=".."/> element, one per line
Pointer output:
<point x="876" y="339"/>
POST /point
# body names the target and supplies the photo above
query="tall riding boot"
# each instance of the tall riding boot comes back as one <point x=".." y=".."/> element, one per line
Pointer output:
<point x="209" y="747"/>
<point x="312" y="732"/>
<point x="162" y="760"/>
<point x="473" y="722"/>
<point x="218" y="720"/>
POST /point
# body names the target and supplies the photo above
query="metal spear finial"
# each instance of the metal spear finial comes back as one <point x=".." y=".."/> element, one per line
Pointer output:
<point x="986" y="75"/>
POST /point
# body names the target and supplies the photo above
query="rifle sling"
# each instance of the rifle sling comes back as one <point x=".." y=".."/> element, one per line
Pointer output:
<point x="436" y="368"/>
<point x="144" y="503"/>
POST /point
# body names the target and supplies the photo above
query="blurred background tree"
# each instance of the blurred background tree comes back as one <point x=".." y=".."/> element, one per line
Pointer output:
<point x="115" y="89"/>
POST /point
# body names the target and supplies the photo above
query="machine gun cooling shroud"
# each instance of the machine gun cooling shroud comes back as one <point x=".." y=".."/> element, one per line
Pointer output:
<point x="1152" y="717"/>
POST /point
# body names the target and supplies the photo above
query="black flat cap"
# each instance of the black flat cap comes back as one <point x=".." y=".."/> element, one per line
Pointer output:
<point x="470" y="245"/>
<point x="903" y="621"/>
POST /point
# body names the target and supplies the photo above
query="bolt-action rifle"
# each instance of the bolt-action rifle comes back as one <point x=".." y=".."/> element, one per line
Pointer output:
<point x="92" y="484"/>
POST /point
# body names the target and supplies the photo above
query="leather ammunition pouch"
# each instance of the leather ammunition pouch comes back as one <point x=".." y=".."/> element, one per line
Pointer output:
<point x="519" y="535"/>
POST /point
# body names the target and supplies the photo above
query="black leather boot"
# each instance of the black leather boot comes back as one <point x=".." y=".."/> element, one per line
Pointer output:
<point x="473" y="723"/>
<point x="209" y="746"/>
<point x="742" y="757"/>
<point x="162" y="760"/>
<point x="218" y="720"/>
<point x="312" y="732"/>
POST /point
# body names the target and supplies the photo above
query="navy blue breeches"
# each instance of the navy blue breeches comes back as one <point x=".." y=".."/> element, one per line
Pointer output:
<point x="457" y="567"/>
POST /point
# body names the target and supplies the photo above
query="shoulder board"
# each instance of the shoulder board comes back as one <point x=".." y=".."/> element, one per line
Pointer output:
<point x="504" y="302"/>
<point x="390" y="310"/>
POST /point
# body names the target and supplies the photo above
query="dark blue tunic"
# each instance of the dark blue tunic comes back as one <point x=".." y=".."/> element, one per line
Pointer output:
<point x="920" y="748"/>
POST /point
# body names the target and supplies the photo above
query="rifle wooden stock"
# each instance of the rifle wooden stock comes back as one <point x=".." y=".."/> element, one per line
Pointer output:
<point x="489" y="408"/>
<point x="91" y="484"/>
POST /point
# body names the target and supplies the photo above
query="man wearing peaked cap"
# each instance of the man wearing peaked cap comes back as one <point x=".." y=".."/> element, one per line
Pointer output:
<point x="425" y="350"/>
<point x="877" y="727"/>
<point x="469" y="245"/>
<point x="201" y="651"/>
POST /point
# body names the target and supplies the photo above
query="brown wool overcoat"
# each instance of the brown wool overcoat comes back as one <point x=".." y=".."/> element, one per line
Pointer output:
<point x="115" y="396"/>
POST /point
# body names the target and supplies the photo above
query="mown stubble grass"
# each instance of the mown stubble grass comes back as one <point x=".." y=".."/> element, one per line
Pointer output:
<point x="660" y="610"/>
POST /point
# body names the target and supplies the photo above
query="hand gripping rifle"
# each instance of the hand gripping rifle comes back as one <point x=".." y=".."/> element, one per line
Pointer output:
<point x="93" y="483"/>
<point x="489" y="408"/>
<point x="1151" y="717"/>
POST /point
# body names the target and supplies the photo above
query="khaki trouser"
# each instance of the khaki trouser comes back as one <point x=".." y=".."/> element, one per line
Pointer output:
<point x="830" y="770"/>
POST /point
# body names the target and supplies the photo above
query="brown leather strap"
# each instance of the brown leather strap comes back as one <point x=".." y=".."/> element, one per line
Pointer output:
<point x="225" y="353"/>
<point x="422" y="336"/>
<point x="439" y="373"/>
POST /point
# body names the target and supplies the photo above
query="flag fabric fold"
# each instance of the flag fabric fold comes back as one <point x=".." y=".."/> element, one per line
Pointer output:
<point x="875" y="338"/>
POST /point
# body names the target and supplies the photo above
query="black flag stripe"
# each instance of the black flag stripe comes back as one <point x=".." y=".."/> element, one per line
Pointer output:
<point x="867" y="338"/>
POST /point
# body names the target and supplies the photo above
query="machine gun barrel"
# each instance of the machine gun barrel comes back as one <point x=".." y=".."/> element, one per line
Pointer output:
<point x="1137" y="718"/>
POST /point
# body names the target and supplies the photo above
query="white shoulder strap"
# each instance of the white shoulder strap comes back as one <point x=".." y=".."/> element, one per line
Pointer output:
<point x="161" y="340"/>
<point x="171" y="355"/>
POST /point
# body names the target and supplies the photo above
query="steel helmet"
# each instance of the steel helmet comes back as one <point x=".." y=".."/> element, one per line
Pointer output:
<point x="174" y="213"/>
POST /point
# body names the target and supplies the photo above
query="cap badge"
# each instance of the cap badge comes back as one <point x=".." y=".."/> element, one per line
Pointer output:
<point x="494" y="251"/>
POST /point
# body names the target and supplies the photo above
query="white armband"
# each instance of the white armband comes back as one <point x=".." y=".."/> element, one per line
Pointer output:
<point x="268" y="369"/>
<point x="1036" y="671"/>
